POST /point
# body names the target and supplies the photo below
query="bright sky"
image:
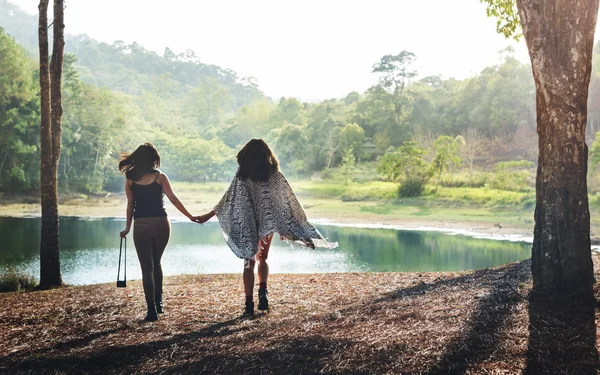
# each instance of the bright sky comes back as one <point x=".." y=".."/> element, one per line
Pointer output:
<point x="310" y="49"/>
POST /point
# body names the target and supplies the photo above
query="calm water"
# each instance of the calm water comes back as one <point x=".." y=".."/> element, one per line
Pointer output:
<point x="90" y="248"/>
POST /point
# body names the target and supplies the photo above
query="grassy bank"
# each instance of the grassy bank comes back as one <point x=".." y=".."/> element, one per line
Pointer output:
<point x="369" y="202"/>
<point x="367" y="323"/>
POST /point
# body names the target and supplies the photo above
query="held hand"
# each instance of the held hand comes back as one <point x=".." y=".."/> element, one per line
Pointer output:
<point x="203" y="218"/>
<point x="124" y="232"/>
<point x="194" y="218"/>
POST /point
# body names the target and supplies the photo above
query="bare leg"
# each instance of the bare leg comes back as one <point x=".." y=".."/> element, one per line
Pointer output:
<point x="249" y="278"/>
<point x="263" y="271"/>
<point x="263" y="267"/>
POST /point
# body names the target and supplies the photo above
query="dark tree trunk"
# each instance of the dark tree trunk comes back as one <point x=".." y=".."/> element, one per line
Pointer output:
<point x="56" y="68"/>
<point x="560" y="37"/>
<point x="50" y="275"/>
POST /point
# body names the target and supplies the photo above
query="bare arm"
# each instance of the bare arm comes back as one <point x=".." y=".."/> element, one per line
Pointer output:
<point x="168" y="190"/>
<point x="129" y="194"/>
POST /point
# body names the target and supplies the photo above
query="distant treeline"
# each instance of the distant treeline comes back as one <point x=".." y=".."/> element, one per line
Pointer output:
<point x="118" y="96"/>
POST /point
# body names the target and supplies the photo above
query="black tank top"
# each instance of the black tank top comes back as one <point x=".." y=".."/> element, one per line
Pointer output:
<point x="148" y="199"/>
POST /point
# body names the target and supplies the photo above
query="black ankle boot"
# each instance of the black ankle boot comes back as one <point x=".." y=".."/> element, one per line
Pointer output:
<point x="263" y="301"/>
<point x="152" y="315"/>
<point x="249" y="310"/>
<point x="159" y="304"/>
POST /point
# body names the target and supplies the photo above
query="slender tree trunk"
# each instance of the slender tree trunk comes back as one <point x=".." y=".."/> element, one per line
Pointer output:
<point x="439" y="177"/>
<point x="50" y="143"/>
<point x="66" y="171"/>
<point x="96" y="160"/>
<point x="560" y="37"/>
<point x="2" y="164"/>
<point x="56" y="68"/>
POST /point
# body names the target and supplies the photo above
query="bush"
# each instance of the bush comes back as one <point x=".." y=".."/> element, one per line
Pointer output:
<point x="411" y="188"/>
<point x="512" y="175"/>
<point x="362" y="172"/>
<point x="462" y="179"/>
<point x="12" y="281"/>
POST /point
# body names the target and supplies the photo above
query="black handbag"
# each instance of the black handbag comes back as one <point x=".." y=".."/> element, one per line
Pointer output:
<point x="122" y="250"/>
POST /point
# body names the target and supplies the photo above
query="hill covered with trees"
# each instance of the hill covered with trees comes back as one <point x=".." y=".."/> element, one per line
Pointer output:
<point x="117" y="96"/>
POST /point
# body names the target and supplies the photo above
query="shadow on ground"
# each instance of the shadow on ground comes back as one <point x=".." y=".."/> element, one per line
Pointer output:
<point x="562" y="340"/>
<point x="562" y="336"/>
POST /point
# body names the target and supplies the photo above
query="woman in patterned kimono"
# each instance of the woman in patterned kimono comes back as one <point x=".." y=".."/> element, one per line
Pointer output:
<point x="258" y="203"/>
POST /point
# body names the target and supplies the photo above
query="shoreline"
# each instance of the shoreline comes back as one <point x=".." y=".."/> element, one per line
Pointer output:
<point x="472" y="229"/>
<point x="466" y="228"/>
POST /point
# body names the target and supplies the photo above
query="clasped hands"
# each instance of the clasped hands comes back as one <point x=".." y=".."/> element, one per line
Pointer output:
<point x="201" y="219"/>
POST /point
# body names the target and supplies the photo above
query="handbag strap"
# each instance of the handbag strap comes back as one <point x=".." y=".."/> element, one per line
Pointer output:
<point x="121" y="248"/>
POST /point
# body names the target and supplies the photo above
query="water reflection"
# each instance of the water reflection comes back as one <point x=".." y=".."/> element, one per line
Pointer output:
<point x="89" y="250"/>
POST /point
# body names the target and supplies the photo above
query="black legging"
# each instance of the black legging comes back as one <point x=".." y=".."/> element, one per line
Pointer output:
<point x="151" y="235"/>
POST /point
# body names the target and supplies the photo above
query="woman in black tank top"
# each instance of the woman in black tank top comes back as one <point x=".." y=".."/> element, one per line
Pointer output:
<point x="144" y="187"/>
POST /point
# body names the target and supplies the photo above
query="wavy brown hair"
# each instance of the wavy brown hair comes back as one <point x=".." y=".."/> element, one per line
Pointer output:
<point x="143" y="160"/>
<point x="256" y="160"/>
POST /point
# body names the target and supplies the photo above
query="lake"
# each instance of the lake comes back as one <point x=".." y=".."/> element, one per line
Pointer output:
<point x="90" y="249"/>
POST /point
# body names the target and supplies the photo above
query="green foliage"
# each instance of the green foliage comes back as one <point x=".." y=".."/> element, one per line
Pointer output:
<point x="405" y="163"/>
<point x="290" y="145"/>
<point x="595" y="154"/>
<point x="512" y="175"/>
<point x="374" y="190"/>
<point x="487" y="197"/>
<point x="348" y="163"/>
<point x="363" y="172"/>
<point x="12" y="280"/>
<point x="352" y="137"/>
<point x="507" y="17"/>
<point x="395" y="71"/>
<point x="412" y="187"/>
<point x="446" y="155"/>
<point x="19" y="118"/>
<point x="324" y="131"/>
<point x="195" y="159"/>
<point x="463" y="178"/>
<point x="208" y="102"/>
<point x="118" y="96"/>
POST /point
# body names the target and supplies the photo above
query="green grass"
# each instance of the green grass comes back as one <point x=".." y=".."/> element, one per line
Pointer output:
<point x="352" y="191"/>
<point x="484" y="196"/>
<point x="377" y="200"/>
<point x="13" y="281"/>
<point x="387" y="191"/>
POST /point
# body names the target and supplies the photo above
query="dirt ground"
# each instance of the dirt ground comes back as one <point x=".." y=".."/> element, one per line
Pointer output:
<point x="348" y="323"/>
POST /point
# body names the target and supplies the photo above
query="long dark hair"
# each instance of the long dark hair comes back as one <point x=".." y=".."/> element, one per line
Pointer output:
<point x="144" y="159"/>
<point x="256" y="161"/>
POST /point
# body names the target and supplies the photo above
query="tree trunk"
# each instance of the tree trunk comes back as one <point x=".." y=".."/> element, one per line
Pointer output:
<point x="49" y="246"/>
<point x="56" y="68"/>
<point x="560" y="37"/>
<point x="439" y="178"/>
<point x="2" y="164"/>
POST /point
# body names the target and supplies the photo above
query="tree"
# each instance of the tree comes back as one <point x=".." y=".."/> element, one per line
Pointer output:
<point x="473" y="147"/>
<point x="446" y="155"/>
<point x="209" y="102"/>
<point x="405" y="163"/>
<point x="559" y="37"/>
<point x="348" y="163"/>
<point x="395" y="74"/>
<point x="19" y="116"/>
<point x="290" y="145"/>
<point x="407" y="166"/>
<point x="332" y="144"/>
<point x="352" y="137"/>
<point x="50" y="134"/>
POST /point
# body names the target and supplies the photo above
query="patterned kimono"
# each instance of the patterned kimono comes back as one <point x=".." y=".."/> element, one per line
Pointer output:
<point x="251" y="210"/>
